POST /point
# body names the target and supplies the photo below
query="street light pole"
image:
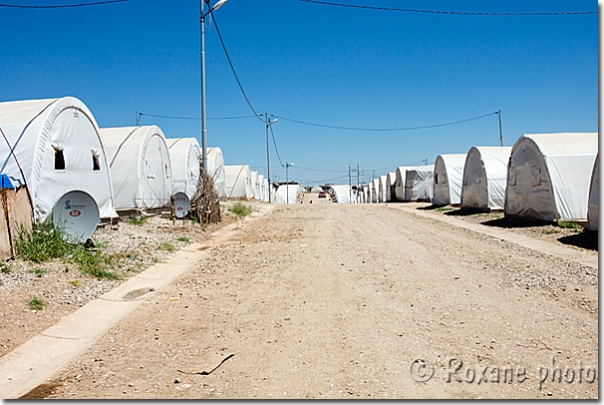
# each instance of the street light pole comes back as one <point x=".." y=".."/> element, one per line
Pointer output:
<point x="268" y="159"/>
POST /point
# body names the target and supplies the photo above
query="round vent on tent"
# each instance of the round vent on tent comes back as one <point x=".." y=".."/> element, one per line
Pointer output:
<point x="77" y="214"/>
<point x="182" y="205"/>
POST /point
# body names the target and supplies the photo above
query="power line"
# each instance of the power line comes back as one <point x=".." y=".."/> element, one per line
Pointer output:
<point x="233" y="68"/>
<point x="96" y="3"/>
<point x="195" y="118"/>
<point x="321" y="170"/>
<point x="384" y="129"/>
<point x="276" y="150"/>
<point x="481" y="13"/>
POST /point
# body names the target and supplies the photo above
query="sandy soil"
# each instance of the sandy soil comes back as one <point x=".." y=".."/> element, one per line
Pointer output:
<point x="354" y="301"/>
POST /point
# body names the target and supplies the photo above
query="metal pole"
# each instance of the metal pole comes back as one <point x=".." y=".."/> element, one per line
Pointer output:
<point x="204" y="150"/>
<point x="349" y="185"/>
<point x="137" y="118"/>
<point x="358" y="182"/>
<point x="268" y="161"/>
<point x="500" y="128"/>
<point x="287" y="182"/>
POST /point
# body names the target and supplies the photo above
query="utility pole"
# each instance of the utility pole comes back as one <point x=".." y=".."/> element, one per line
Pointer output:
<point x="137" y="117"/>
<point x="500" y="128"/>
<point x="268" y="160"/>
<point x="349" y="185"/>
<point x="358" y="181"/>
<point x="287" y="166"/>
<point x="204" y="150"/>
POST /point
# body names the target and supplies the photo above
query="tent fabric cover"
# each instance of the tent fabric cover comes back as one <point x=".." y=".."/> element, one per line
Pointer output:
<point x="375" y="189"/>
<point x="549" y="176"/>
<point x="216" y="170"/>
<point x="185" y="155"/>
<point x="390" y="184"/>
<point x="594" y="199"/>
<point x="238" y="181"/>
<point x="341" y="193"/>
<point x="448" y="179"/>
<point x="288" y="193"/>
<point x="419" y="184"/>
<point x="484" y="178"/>
<point x="141" y="169"/>
<point x="316" y="189"/>
<point x="37" y="130"/>
<point x="382" y="188"/>
<point x="401" y="176"/>
<point x="255" y="185"/>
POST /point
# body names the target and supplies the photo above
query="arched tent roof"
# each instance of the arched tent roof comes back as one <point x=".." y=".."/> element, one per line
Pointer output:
<point x="448" y="179"/>
<point x="375" y="190"/>
<point x="419" y="184"/>
<point x="57" y="148"/>
<point x="549" y="176"/>
<point x="316" y="189"/>
<point x="484" y="178"/>
<point x="185" y="155"/>
<point x="238" y="181"/>
<point x="594" y="199"/>
<point x="140" y="166"/>
<point x="255" y="185"/>
<point x="288" y="193"/>
<point x="341" y="193"/>
<point x="390" y="184"/>
<point x="216" y="170"/>
<point x="399" y="184"/>
<point x="382" y="188"/>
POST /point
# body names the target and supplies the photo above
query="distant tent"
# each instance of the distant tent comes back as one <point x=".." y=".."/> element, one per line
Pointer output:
<point x="140" y="167"/>
<point x="341" y="193"/>
<point x="185" y="155"/>
<point x="255" y="185"/>
<point x="484" y="178"/>
<point x="366" y="194"/>
<point x="549" y="176"/>
<point x="216" y="170"/>
<point x="238" y="181"/>
<point x="399" y="184"/>
<point x="316" y="189"/>
<point x="375" y="190"/>
<point x="56" y="148"/>
<point x="390" y="185"/>
<point x="288" y="193"/>
<point x="594" y="200"/>
<point x="448" y="179"/>
<point x="262" y="188"/>
<point x="382" y="188"/>
<point x="419" y="184"/>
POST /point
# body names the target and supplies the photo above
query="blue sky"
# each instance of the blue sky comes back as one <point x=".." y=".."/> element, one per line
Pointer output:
<point x="320" y="64"/>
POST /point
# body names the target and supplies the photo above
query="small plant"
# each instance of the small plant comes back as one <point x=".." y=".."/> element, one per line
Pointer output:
<point x="35" y="304"/>
<point x="168" y="247"/>
<point x="94" y="262"/>
<point x="240" y="210"/>
<point x="75" y="283"/>
<point x="443" y="209"/>
<point x="5" y="268"/>
<point x="184" y="239"/>
<point x="550" y="231"/>
<point x="38" y="272"/>
<point x="572" y="225"/>
<point x="44" y="242"/>
<point x="138" y="221"/>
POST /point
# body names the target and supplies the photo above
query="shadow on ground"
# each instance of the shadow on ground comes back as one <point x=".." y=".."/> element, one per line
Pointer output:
<point x="585" y="240"/>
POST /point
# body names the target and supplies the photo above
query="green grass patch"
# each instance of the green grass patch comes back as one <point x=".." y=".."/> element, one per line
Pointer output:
<point x="183" y="239"/>
<point x="550" y="231"/>
<point x="168" y="247"/>
<point x="443" y="209"/>
<point x="572" y="225"/>
<point x="44" y="242"/>
<point x="35" y="304"/>
<point x="38" y="272"/>
<point x="240" y="210"/>
<point x="74" y="283"/>
<point x="138" y="221"/>
<point x="94" y="262"/>
<point x="5" y="268"/>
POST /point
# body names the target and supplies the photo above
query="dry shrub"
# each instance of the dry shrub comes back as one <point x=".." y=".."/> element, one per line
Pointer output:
<point x="206" y="202"/>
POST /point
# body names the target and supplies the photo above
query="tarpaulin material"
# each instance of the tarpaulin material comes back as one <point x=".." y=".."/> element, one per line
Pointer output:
<point x="484" y="178"/>
<point x="390" y="184"/>
<point x="549" y="176"/>
<point x="185" y="155"/>
<point x="594" y="199"/>
<point x="448" y="179"/>
<point x="382" y="188"/>
<point x="238" y="181"/>
<point x="418" y="184"/>
<point x="56" y="148"/>
<point x="216" y="170"/>
<point x="140" y="166"/>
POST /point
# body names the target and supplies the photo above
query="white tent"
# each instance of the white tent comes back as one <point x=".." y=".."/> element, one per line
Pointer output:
<point x="366" y="194"/>
<point x="140" y="166"/>
<point x="262" y="188"/>
<point x="399" y="184"/>
<point x="484" y="178"/>
<point x="316" y="189"/>
<point x="238" y="181"/>
<point x="288" y="193"/>
<point x="185" y="155"/>
<point x="255" y="185"/>
<point x="594" y="199"/>
<point x="418" y="184"/>
<point x="448" y="178"/>
<point x="341" y="193"/>
<point x="382" y="188"/>
<point x="57" y="149"/>
<point x="375" y="189"/>
<point x="216" y="170"/>
<point x="390" y="184"/>
<point x="549" y="176"/>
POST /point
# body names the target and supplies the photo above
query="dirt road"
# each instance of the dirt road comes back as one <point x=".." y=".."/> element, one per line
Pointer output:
<point x="354" y="301"/>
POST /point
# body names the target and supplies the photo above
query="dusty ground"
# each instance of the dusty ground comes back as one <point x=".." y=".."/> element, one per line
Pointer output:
<point x="354" y="301"/>
<point x="64" y="288"/>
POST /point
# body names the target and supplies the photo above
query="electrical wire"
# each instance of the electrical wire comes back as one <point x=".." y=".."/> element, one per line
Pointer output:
<point x="96" y="3"/>
<point x="321" y="170"/>
<point x="232" y="67"/>
<point x="195" y="118"/>
<point x="384" y="129"/>
<point x="481" y="13"/>
<point x="276" y="150"/>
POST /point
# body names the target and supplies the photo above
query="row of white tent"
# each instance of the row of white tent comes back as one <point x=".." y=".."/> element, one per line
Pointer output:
<point x="551" y="177"/>
<point x="55" y="146"/>
<point x="242" y="182"/>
